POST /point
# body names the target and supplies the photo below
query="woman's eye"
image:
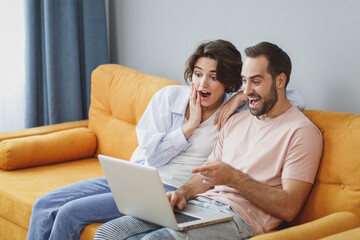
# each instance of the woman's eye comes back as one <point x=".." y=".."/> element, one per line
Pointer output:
<point x="213" y="78"/>
<point x="197" y="74"/>
<point x="244" y="81"/>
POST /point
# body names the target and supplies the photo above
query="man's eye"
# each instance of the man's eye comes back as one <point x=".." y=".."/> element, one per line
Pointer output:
<point x="213" y="78"/>
<point x="244" y="81"/>
<point x="256" y="82"/>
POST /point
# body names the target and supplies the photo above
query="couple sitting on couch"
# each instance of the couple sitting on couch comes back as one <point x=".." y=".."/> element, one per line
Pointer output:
<point x="260" y="170"/>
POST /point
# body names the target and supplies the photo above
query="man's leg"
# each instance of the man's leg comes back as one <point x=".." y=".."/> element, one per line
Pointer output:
<point x="225" y="230"/>
<point x="46" y="208"/>
<point x="125" y="227"/>
<point x="235" y="229"/>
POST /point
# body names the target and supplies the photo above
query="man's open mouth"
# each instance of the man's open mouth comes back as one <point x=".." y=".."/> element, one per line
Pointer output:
<point x="254" y="102"/>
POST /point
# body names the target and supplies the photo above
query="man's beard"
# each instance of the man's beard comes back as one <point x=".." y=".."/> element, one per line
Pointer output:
<point x="267" y="105"/>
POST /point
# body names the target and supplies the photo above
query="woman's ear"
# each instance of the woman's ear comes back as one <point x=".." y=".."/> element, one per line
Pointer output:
<point x="281" y="80"/>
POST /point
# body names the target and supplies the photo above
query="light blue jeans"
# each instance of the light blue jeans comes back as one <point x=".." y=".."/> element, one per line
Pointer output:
<point x="63" y="213"/>
<point x="131" y="228"/>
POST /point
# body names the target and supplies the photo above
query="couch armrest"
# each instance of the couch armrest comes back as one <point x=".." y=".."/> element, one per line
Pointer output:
<point x="320" y="228"/>
<point x="47" y="145"/>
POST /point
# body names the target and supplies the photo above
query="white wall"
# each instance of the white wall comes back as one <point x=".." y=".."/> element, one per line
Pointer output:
<point x="322" y="38"/>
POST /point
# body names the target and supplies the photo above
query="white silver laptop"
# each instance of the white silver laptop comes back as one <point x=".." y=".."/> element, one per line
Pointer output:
<point x="138" y="192"/>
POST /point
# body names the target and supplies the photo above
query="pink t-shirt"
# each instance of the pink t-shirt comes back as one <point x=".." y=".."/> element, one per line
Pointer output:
<point x="288" y="146"/>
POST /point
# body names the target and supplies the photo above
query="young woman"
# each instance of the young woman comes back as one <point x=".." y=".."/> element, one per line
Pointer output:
<point x="176" y="134"/>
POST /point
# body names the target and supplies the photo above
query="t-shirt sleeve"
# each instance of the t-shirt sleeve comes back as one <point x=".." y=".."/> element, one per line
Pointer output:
<point x="303" y="156"/>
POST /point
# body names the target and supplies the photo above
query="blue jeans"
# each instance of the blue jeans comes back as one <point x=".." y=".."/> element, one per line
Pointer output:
<point x="63" y="213"/>
<point x="131" y="228"/>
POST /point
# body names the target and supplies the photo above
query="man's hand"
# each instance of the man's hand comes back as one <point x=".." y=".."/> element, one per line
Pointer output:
<point x="216" y="173"/>
<point x="186" y="192"/>
<point x="176" y="199"/>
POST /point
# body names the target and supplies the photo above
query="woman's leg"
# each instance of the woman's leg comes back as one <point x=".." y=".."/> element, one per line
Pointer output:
<point x="75" y="215"/>
<point x="46" y="208"/>
<point x="127" y="226"/>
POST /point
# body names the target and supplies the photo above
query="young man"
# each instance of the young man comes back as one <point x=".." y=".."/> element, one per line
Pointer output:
<point x="262" y="166"/>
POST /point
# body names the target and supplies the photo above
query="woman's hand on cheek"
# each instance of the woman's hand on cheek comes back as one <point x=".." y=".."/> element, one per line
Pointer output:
<point x="195" y="107"/>
<point x="195" y="113"/>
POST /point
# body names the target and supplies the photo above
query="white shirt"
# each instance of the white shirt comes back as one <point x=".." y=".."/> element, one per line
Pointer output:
<point x="202" y="142"/>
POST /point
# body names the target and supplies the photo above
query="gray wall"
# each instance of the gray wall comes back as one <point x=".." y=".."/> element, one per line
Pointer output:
<point x="321" y="37"/>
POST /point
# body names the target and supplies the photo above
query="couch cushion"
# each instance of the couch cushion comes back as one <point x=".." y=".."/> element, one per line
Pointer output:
<point x="27" y="132"/>
<point x="89" y="231"/>
<point x="326" y="226"/>
<point x="48" y="148"/>
<point x="353" y="234"/>
<point x="337" y="185"/>
<point x="19" y="189"/>
<point x="119" y="96"/>
<point x="11" y="231"/>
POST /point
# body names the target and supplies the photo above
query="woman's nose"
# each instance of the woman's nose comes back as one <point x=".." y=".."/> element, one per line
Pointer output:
<point x="203" y="81"/>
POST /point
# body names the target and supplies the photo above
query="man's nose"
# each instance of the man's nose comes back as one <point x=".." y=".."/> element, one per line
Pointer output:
<point x="247" y="89"/>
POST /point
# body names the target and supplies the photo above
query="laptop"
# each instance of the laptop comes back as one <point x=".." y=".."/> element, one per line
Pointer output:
<point x="139" y="192"/>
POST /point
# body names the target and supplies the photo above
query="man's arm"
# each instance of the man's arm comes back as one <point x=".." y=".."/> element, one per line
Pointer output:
<point x="188" y="191"/>
<point x="283" y="203"/>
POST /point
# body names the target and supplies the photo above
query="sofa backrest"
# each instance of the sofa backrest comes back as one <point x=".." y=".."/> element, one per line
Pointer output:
<point x="337" y="185"/>
<point x="119" y="96"/>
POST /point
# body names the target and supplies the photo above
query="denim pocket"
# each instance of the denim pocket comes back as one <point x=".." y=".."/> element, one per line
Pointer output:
<point x="243" y="228"/>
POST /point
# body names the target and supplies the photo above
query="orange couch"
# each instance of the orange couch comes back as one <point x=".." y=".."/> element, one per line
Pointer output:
<point x="38" y="160"/>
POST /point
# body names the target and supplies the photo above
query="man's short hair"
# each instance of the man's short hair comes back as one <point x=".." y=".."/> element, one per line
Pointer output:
<point x="279" y="61"/>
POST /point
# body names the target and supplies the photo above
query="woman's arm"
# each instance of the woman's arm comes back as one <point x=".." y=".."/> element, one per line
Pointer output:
<point x="229" y="108"/>
<point x="159" y="132"/>
<point x="295" y="98"/>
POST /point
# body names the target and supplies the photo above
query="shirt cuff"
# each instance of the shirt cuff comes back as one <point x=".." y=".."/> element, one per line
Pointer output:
<point x="178" y="139"/>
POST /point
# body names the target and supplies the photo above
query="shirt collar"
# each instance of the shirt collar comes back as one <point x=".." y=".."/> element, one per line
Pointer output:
<point x="181" y="101"/>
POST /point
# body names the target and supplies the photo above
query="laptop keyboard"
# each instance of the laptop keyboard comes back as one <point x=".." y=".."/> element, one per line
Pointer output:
<point x="182" y="218"/>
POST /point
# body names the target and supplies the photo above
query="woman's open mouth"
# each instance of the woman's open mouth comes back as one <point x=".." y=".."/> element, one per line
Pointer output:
<point x="204" y="95"/>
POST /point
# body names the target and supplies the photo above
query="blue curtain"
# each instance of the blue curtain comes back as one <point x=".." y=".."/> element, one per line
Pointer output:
<point x="65" y="40"/>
